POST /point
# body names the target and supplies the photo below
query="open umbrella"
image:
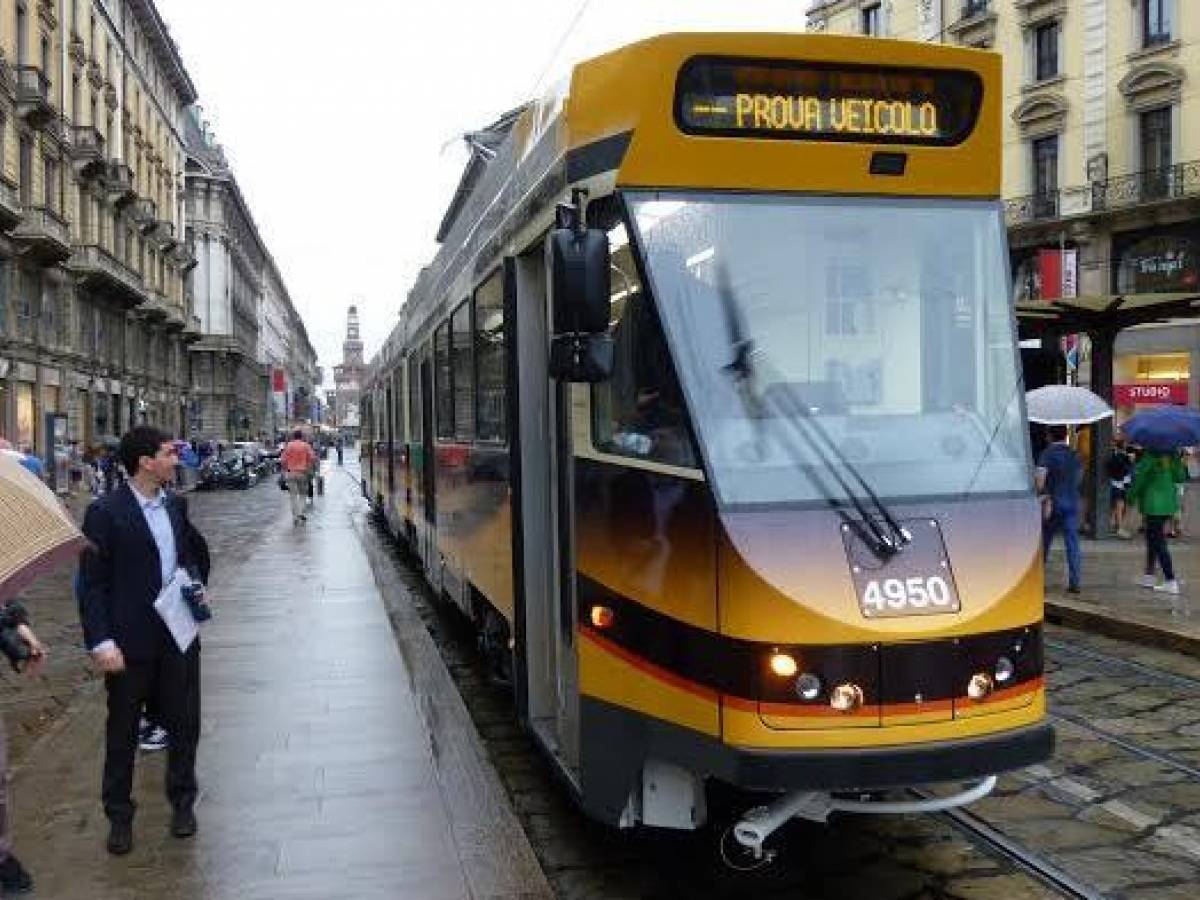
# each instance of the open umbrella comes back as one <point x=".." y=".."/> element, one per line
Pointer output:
<point x="1164" y="428"/>
<point x="1065" y="404"/>
<point x="35" y="531"/>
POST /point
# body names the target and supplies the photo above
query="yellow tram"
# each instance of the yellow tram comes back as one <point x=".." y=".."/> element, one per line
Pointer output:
<point x="708" y="413"/>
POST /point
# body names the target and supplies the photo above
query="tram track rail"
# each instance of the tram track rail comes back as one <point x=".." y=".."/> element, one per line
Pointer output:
<point x="1038" y="867"/>
<point x="1099" y="657"/>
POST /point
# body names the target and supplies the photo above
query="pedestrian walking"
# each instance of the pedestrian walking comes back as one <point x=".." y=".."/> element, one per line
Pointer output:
<point x="1119" y="469"/>
<point x="1154" y="491"/>
<point x="298" y="460"/>
<point x="140" y="538"/>
<point x="1059" y="476"/>
<point x="340" y="450"/>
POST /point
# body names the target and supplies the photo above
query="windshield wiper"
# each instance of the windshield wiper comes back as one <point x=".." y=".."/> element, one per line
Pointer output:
<point x="987" y="449"/>
<point x="886" y="538"/>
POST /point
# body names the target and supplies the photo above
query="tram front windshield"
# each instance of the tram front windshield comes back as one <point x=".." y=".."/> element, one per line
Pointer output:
<point x="880" y="336"/>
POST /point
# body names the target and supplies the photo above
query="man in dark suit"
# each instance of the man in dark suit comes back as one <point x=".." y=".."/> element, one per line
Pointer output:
<point x="139" y="536"/>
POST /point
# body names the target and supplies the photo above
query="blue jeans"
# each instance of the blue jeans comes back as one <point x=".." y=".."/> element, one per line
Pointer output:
<point x="1066" y="521"/>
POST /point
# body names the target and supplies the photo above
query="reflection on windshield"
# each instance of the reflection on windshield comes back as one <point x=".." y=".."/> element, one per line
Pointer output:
<point x="887" y="319"/>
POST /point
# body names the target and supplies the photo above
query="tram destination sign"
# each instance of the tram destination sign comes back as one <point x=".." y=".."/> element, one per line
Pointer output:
<point x="719" y="97"/>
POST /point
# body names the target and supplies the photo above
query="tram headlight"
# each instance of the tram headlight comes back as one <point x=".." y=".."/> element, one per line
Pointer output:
<point x="846" y="698"/>
<point x="1004" y="670"/>
<point x="784" y="665"/>
<point x="602" y="617"/>
<point x="808" y="686"/>
<point x="980" y="686"/>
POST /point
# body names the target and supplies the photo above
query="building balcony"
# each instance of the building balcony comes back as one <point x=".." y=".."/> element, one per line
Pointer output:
<point x="1152" y="186"/>
<point x="87" y="151"/>
<point x="119" y="180"/>
<point x="184" y="258"/>
<point x="1128" y="192"/>
<point x="156" y="308"/>
<point x="976" y="24"/>
<point x="10" y="204"/>
<point x="192" y="331"/>
<point x="145" y="214"/>
<point x="164" y="235"/>
<point x="76" y="51"/>
<point x="98" y="270"/>
<point x="33" y="96"/>
<point x="1033" y="208"/>
<point x="42" y="235"/>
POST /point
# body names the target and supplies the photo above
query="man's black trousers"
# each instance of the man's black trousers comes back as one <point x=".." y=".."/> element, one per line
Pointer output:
<point x="172" y="684"/>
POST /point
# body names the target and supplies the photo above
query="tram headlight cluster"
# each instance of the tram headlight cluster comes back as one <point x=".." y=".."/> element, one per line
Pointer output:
<point x="808" y="687"/>
<point x="784" y="665"/>
<point x="846" y="698"/>
<point x="980" y="686"/>
<point x="1004" y="671"/>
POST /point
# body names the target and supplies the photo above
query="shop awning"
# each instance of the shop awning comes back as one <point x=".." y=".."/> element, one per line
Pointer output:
<point x="1104" y="312"/>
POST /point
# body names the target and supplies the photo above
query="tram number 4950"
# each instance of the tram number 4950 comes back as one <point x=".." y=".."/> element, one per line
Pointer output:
<point x="914" y="595"/>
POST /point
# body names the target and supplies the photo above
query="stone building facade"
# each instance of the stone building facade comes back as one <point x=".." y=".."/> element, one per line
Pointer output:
<point x="1102" y="152"/>
<point x="286" y="355"/>
<point x="248" y="325"/>
<point x="93" y="320"/>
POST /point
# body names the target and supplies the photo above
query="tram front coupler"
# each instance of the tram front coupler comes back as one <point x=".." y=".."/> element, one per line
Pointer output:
<point x="754" y="828"/>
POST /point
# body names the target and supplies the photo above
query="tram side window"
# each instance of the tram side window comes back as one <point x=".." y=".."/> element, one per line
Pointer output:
<point x="443" y="385"/>
<point x="639" y="411"/>
<point x="414" y="398"/>
<point x="490" y="384"/>
<point x="460" y="359"/>
<point x="397" y="404"/>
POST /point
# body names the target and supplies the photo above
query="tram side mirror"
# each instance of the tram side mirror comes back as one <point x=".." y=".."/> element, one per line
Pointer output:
<point x="580" y="286"/>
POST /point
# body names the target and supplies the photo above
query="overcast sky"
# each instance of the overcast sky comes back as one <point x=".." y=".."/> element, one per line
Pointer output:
<point x="341" y="120"/>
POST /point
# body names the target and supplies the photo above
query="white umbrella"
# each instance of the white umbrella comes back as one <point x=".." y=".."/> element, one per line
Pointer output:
<point x="1065" y="404"/>
<point x="35" y="531"/>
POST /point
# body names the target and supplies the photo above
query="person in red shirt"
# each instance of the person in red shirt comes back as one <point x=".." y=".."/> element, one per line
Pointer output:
<point x="298" y="461"/>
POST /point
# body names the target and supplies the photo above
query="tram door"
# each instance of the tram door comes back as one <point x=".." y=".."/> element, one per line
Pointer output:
<point x="544" y="553"/>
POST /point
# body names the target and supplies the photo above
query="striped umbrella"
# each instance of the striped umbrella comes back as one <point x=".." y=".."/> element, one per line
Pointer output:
<point x="36" y="533"/>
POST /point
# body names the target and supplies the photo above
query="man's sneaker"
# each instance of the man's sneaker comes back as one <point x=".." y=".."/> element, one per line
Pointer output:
<point x="1168" y="587"/>
<point x="1147" y="581"/>
<point x="1073" y="589"/>
<point x="13" y="877"/>
<point x="183" y="823"/>
<point x="153" y="737"/>
<point x="120" y="838"/>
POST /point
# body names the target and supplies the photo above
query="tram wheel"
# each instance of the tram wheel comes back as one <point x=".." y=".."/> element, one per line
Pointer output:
<point x="738" y="858"/>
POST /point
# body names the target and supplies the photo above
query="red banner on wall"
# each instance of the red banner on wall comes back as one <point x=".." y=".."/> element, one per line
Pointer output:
<point x="1058" y="271"/>
<point x="278" y="381"/>
<point x="1151" y="392"/>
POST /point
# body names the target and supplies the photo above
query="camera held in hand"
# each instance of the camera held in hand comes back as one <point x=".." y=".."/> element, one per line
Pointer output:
<point x="193" y="596"/>
<point x="12" y="645"/>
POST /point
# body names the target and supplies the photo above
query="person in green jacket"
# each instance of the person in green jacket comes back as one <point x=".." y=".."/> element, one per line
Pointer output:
<point x="1153" y="490"/>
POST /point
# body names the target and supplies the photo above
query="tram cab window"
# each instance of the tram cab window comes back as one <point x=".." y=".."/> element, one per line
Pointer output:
<point x="640" y="410"/>
<point x="880" y="337"/>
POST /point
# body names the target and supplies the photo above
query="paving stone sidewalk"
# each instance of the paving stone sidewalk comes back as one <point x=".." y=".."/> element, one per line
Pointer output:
<point x="319" y="774"/>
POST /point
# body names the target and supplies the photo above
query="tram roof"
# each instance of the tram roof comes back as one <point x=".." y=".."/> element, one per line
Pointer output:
<point x="614" y="119"/>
